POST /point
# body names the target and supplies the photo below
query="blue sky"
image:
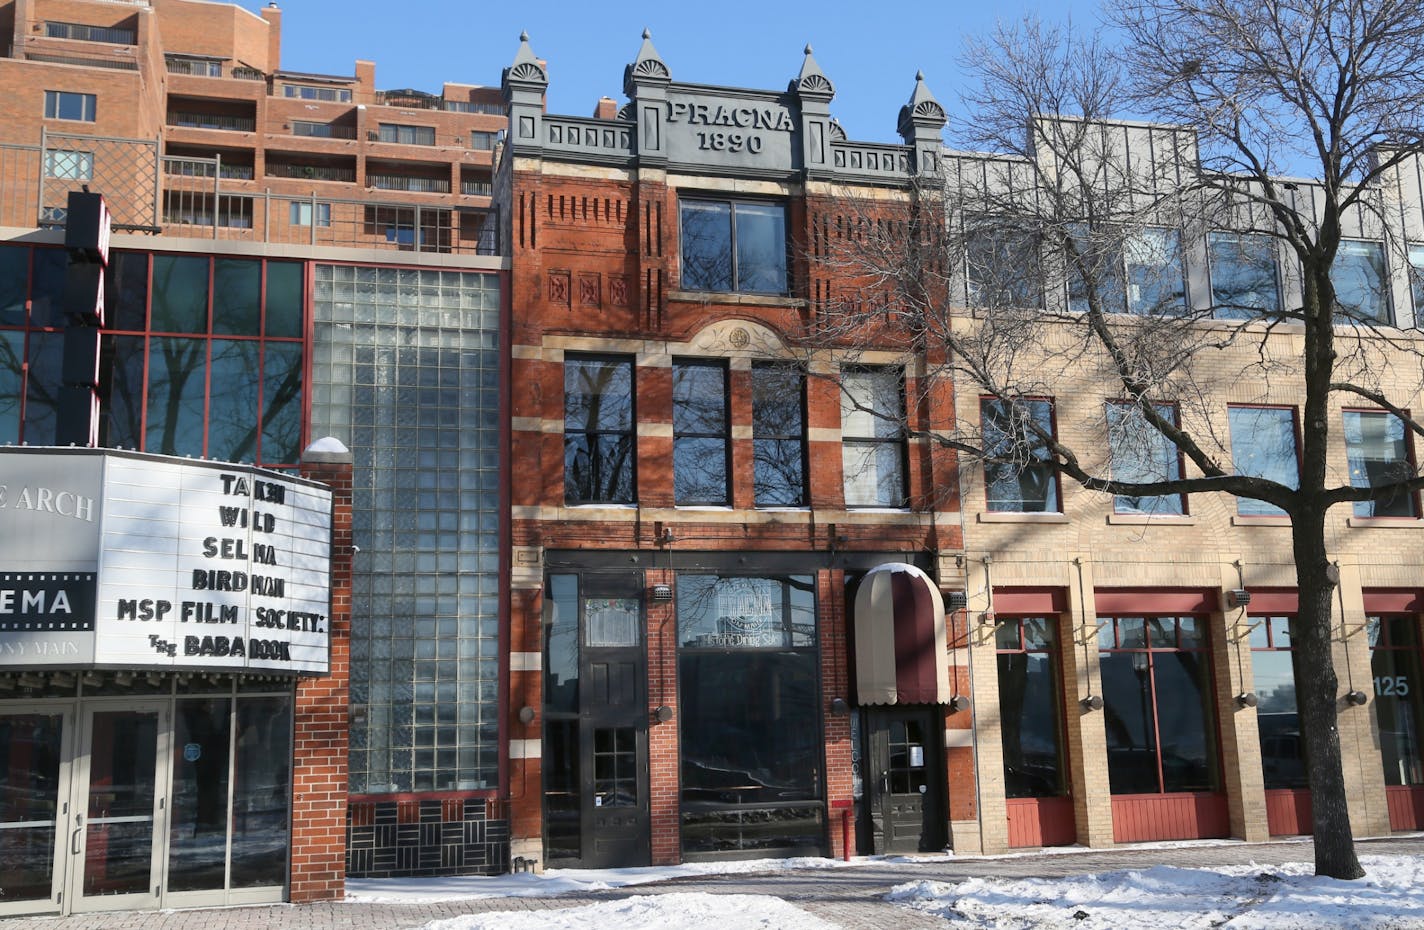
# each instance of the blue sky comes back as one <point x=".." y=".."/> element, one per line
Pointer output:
<point x="869" y="51"/>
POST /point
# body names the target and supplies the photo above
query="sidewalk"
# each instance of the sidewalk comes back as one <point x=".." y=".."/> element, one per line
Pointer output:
<point x="850" y="897"/>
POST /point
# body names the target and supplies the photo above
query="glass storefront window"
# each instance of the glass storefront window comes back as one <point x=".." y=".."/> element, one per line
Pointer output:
<point x="1157" y="705"/>
<point x="749" y="712"/>
<point x="1277" y="721"/>
<point x="1399" y="702"/>
<point x="1029" y="707"/>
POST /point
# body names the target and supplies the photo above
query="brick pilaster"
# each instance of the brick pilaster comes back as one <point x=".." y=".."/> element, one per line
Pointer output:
<point x="319" y="774"/>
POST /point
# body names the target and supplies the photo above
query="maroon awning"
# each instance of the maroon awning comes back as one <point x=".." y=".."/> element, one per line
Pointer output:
<point x="900" y="638"/>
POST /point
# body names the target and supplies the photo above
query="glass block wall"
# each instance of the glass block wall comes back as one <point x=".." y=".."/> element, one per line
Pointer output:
<point x="405" y="372"/>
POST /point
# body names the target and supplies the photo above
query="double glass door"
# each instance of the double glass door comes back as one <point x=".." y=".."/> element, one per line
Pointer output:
<point x="134" y="804"/>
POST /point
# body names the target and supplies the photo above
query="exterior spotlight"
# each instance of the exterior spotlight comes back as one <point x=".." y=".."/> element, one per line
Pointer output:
<point x="1092" y="702"/>
<point x="839" y="707"/>
<point x="526" y="715"/>
<point x="662" y="592"/>
<point x="663" y="714"/>
<point x="960" y="702"/>
<point x="1356" y="698"/>
<point x="1247" y="699"/>
<point x="1238" y="597"/>
<point x="956" y="600"/>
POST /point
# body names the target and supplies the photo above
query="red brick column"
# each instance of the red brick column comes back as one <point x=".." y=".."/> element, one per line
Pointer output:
<point x="663" y="779"/>
<point x="319" y="783"/>
<point x="835" y="683"/>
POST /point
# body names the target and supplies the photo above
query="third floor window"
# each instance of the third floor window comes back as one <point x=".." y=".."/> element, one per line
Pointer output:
<point x="733" y="245"/>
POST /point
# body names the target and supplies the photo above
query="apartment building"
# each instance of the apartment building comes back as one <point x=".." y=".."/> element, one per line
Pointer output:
<point x="301" y="280"/>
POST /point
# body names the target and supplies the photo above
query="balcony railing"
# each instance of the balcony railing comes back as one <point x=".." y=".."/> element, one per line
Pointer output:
<point x="212" y="121"/>
<point x="311" y="172"/>
<point x="397" y="182"/>
<point x="322" y="130"/>
<point x="115" y="64"/>
<point x="203" y="168"/>
<point x="195" y="67"/>
<point x="243" y="73"/>
<point x="114" y="35"/>
<point x="420" y="100"/>
<point x="476" y="188"/>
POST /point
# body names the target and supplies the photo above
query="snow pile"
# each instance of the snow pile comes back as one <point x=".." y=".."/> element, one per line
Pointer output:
<point x="554" y="881"/>
<point x="652" y="912"/>
<point x="1246" y="897"/>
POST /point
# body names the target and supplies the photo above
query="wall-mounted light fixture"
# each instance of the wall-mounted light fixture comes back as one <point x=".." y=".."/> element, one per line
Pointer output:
<point x="663" y="714"/>
<point x="1247" y="699"/>
<point x="1238" y="597"/>
<point x="662" y="592"/>
<point x="1092" y="702"/>
<point x="839" y="707"/>
<point x="1356" y="698"/>
<point x="526" y="715"/>
<point x="960" y="703"/>
<point x="956" y="600"/>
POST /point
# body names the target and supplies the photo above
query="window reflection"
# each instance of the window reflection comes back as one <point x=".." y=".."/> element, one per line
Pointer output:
<point x="778" y="435"/>
<point x="1377" y="449"/>
<point x="733" y="246"/>
<point x="700" y="433"/>
<point x="1157" y="706"/>
<point x="1399" y="701"/>
<point x="1263" y="446"/>
<point x="1277" y="720"/>
<point x="1244" y="280"/>
<point x="1140" y="453"/>
<point x="1361" y="286"/>
<point x="598" y="430"/>
<point x="1029" y="707"/>
<point x="1022" y="482"/>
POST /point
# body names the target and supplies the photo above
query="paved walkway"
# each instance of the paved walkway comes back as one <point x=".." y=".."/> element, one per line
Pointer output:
<point x="850" y="897"/>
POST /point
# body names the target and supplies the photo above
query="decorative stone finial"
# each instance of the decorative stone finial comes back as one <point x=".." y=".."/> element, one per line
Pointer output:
<point x="648" y="67"/>
<point x="812" y="82"/>
<point x="526" y="71"/>
<point x="923" y="111"/>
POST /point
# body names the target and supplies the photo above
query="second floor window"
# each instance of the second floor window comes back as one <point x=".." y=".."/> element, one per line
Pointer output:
<point x="1022" y="480"/>
<point x="1361" y="284"/>
<point x="873" y="437"/>
<point x="733" y="245"/>
<point x="309" y="214"/>
<point x="700" y="433"/>
<point x="1244" y="280"/>
<point x="1263" y="446"/>
<point x="1001" y="264"/>
<point x="63" y="104"/>
<point x="407" y="135"/>
<point x="778" y="435"/>
<point x="598" y="430"/>
<point x="1139" y="271"/>
<point x="1140" y="454"/>
<point x="1377" y="448"/>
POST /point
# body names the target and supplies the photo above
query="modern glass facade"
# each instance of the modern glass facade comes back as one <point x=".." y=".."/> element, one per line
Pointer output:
<point x="406" y="373"/>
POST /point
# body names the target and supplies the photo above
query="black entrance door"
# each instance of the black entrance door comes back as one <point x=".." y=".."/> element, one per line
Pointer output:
<point x="904" y="780"/>
<point x="596" y="726"/>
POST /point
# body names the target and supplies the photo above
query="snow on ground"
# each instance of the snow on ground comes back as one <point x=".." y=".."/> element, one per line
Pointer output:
<point x="652" y="912"/>
<point x="554" y="881"/>
<point x="1244" y="897"/>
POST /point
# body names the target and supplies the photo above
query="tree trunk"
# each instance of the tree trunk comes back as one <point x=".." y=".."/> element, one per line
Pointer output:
<point x="1316" y="698"/>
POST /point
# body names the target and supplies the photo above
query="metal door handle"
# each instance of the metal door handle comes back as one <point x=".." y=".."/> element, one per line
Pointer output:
<point x="74" y="842"/>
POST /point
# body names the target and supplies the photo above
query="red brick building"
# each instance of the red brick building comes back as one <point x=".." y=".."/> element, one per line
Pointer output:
<point x="694" y="504"/>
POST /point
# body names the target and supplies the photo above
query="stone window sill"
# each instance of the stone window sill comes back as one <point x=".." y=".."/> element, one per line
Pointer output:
<point x="1004" y="516"/>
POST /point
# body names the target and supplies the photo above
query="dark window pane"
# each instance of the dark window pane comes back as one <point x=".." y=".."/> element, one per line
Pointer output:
<point x="285" y="291"/>
<point x="562" y="790"/>
<point x="1282" y="750"/>
<point x="1378" y="453"/>
<point x="706" y="246"/>
<point x="261" y="786"/>
<point x="12" y="359"/>
<point x="561" y="645"/>
<point x="42" y="388"/>
<point x="750" y="727"/>
<point x="699" y="398"/>
<point x="1399" y="707"/>
<point x="176" y="373"/>
<point x="1155" y="285"/>
<point x="1127" y="717"/>
<point x="197" y="834"/>
<point x="1022" y="484"/>
<point x="180" y="294"/>
<point x="1263" y="446"/>
<point x="47" y="288"/>
<point x="232" y="409"/>
<point x="1243" y="275"/>
<point x="778" y="431"/>
<point x="699" y="468"/>
<point x="1002" y="265"/>
<point x="598" y="395"/>
<point x="237" y="292"/>
<point x="1028" y="709"/>
<point x="598" y="468"/>
<point x="1185" y="721"/>
<point x="745" y="613"/>
<point x="281" y="403"/>
<point x="1099" y="254"/>
<point x="121" y="381"/>
<point x="598" y="430"/>
<point x="761" y="248"/>
<point x="126" y="291"/>
<point x="30" y="756"/>
<point x="14" y="284"/>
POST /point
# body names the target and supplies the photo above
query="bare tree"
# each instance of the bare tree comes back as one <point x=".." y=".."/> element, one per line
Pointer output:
<point x="1058" y="256"/>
